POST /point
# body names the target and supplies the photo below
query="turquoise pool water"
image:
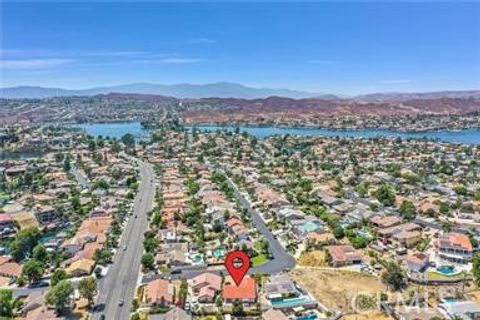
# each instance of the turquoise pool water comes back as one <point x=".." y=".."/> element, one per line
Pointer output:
<point x="198" y="259"/>
<point x="364" y="233"/>
<point x="448" y="270"/>
<point x="308" y="227"/>
<point x="219" y="253"/>
<point x="451" y="300"/>
<point x="291" y="302"/>
<point x="311" y="316"/>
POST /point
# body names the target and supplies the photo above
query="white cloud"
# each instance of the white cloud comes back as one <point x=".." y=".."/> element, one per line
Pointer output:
<point x="32" y="64"/>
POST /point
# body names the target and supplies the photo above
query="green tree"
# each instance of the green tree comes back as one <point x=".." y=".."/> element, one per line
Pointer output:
<point x="58" y="275"/>
<point x="60" y="296"/>
<point x="150" y="244"/>
<point x="88" y="289"/>
<point x="148" y="261"/>
<point x="33" y="270"/>
<point x="394" y="276"/>
<point x="128" y="140"/>
<point x="23" y="244"/>
<point x="40" y="253"/>
<point x="338" y="232"/>
<point x="7" y="303"/>
<point x="407" y="210"/>
<point x="385" y="195"/>
<point x="476" y="269"/>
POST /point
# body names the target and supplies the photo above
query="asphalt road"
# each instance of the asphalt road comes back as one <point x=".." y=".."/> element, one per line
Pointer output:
<point x="121" y="279"/>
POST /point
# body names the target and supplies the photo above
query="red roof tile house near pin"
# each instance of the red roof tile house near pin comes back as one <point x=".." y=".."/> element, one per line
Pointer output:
<point x="245" y="293"/>
<point x="455" y="247"/>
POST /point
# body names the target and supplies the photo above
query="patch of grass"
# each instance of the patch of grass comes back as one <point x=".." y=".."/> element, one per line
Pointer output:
<point x="259" y="260"/>
<point x="257" y="246"/>
<point x="165" y="270"/>
<point x="436" y="276"/>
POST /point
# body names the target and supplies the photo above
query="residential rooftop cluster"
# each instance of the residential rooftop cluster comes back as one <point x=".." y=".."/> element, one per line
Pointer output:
<point x="334" y="227"/>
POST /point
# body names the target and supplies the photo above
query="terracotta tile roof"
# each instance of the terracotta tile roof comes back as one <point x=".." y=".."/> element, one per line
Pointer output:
<point x="455" y="240"/>
<point x="11" y="269"/>
<point x="246" y="290"/>
<point x="157" y="289"/>
<point x="343" y="253"/>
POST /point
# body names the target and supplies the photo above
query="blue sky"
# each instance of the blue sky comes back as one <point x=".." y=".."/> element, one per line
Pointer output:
<point x="338" y="47"/>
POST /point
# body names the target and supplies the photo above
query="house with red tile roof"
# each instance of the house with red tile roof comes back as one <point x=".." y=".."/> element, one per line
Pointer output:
<point x="159" y="292"/>
<point x="455" y="247"/>
<point x="344" y="255"/>
<point x="11" y="270"/>
<point x="246" y="292"/>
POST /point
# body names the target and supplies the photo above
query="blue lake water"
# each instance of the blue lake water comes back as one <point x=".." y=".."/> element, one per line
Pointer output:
<point x="113" y="130"/>
<point x="471" y="136"/>
<point x="117" y="130"/>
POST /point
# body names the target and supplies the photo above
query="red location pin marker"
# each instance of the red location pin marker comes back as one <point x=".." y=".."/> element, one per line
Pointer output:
<point x="232" y="263"/>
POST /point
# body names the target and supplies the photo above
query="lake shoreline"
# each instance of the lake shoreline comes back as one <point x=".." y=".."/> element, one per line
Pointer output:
<point x="464" y="136"/>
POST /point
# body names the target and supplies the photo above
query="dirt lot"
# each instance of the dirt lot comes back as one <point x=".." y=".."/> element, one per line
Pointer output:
<point x="374" y="315"/>
<point x="312" y="259"/>
<point x="337" y="289"/>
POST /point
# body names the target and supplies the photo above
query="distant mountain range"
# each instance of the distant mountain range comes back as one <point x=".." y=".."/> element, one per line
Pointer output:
<point x="220" y="90"/>
<point x="190" y="91"/>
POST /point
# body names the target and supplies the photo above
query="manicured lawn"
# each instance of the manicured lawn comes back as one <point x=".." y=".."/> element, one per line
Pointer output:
<point x="259" y="260"/>
<point x="435" y="276"/>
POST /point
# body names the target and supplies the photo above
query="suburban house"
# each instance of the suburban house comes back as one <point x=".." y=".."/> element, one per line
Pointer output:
<point x="45" y="215"/>
<point x="407" y="234"/>
<point x="246" y="292"/>
<point x="344" y="255"/>
<point x="454" y="247"/>
<point x="159" y="292"/>
<point x="385" y="221"/>
<point x="417" y="262"/>
<point x="206" y="286"/>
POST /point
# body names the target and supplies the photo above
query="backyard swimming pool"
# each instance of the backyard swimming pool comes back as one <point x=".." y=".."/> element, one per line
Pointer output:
<point x="311" y="316"/>
<point x="446" y="270"/>
<point x="291" y="302"/>
<point x="308" y="227"/>
<point x="451" y="300"/>
<point x="219" y="253"/>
